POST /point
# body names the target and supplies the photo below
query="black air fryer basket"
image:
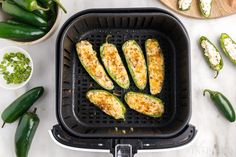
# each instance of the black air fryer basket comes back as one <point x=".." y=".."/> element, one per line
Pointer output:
<point x="84" y="126"/>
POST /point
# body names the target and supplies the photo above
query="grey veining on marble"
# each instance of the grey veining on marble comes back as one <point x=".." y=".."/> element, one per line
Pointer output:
<point x="216" y="136"/>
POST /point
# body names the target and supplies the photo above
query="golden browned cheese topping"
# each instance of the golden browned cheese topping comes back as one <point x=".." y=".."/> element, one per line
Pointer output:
<point x="156" y="69"/>
<point x="107" y="102"/>
<point x="91" y="63"/>
<point x="144" y="104"/>
<point x="113" y="62"/>
<point x="137" y="62"/>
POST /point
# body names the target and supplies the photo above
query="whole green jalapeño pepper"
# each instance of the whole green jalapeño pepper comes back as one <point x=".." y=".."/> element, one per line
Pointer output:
<point x="18" y="23"/>
<point x="19" y="31"/>
<point x="25" y="133"/>
<point x="15" y="11"/>
<point x="211" y="55"/>
<point x="21" y="105"/>
<point x="29" y="5"/>
<point x="222" y="103"/>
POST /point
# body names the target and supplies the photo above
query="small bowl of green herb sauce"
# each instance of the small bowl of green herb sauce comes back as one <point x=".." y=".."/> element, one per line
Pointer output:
<point x="16" y="67"/>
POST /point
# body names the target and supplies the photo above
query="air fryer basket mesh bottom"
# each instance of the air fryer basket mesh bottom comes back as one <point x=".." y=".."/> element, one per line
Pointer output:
<point x="83" y="119"/>
<point x="91" y="116"/>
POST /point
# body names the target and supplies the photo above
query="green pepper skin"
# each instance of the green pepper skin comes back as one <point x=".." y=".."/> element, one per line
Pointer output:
<point x="222" y="38"/>
<point x="29" y="5"/>
<point x="48" y="3"/>
<point x="53" y="14"/>
<point x="216" y="68"/>
<point x="42" y="14"/>
<point x="50" y="15"/>
<point x="202" y="11"/>
<point x="22" y="15"/>
<point x="16" y="22"/>
<point x="131" y="70"/>
<point x="45" y="3"/>
<point x="113" y="76"/>
<point x="22" y="104"/>
<point x="19" y="32"/>
<point x="222" y="103"/>
<point x="25" y="133"/>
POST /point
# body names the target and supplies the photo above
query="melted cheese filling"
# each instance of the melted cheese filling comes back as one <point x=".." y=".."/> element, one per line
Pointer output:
<point x="89" y="59"/>
<point x="206" y="6"/>
<point x="184" y="4"/>
<point x="211" y="52"/>
<point x="144" y="104"/>
<point x="107" y="103"/>
<point x="230" y="47"/>
<point x="114" y="64"/>
<point x="137" y="63"/>
<point x="155" y="61"/>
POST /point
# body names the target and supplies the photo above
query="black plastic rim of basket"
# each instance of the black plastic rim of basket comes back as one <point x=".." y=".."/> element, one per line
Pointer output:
<point x="117" y="10"/>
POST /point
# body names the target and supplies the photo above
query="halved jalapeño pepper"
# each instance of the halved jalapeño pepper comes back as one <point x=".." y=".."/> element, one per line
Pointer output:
<point x="145" y="104"/>
<point x="25" y="133"/>
<point x="136" y="63"/>
<point x="89" y="60"/>
<point x="205" y="7"/>
<point x="114" y="65"/>
<point x="184" y="4"/>
<point x="155" y="64"/>
<point x="229" y="47"/>
<point x="211" y="54"/>
<point x="107" y="102"/>
<point x="222" y="103"/>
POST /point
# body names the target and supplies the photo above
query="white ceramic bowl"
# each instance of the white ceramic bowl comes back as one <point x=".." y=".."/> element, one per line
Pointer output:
<point x="14" y="49"/>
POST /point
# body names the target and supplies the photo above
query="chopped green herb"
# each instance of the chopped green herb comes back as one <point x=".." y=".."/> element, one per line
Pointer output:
<point x="15" y="68"/>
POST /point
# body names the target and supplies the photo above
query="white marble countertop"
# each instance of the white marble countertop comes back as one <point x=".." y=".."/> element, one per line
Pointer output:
<point x="216" y="136"/>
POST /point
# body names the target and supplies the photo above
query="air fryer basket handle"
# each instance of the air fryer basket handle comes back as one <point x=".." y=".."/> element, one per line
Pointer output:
<point x="123" y="150"/>
<point x="124" y="147"/>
